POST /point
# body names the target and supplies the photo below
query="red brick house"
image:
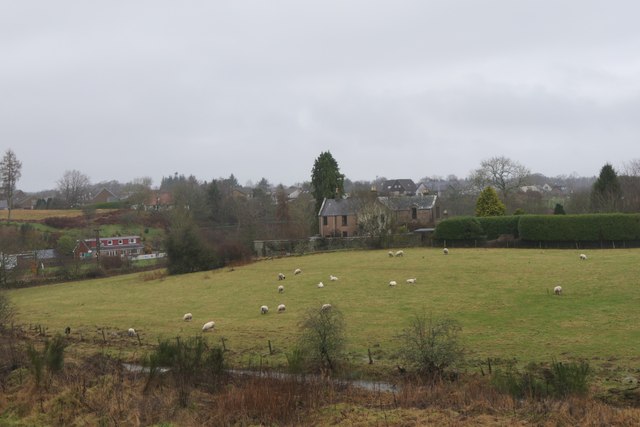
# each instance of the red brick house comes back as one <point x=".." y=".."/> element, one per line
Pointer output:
<point x="415" y="211"/>
<point x="338" y="218"/>
<point x="122" y="246"/>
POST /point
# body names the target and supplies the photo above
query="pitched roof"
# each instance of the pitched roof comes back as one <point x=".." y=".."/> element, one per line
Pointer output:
<point x="338" y="207"/>
<point x="406" y="185"/>
<point x="406" y="203"/>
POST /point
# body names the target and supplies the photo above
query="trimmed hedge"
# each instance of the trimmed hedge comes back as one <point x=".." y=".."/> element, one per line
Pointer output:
<point x="459" y="228"/>
<point x="538" y="228"/>
<point x="580" y="227"/>
<point x="494" y="226"/>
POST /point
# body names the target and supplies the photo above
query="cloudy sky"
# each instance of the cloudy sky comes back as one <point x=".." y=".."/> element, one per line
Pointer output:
<point x="401" y="89"/>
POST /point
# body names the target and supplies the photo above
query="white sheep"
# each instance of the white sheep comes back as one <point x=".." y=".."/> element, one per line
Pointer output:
<point x="391" y="254"/>
<point x="281" y="276"/>
<point x="320" y="285"/>
<point x="557" y="290"/>
<point x="393" y="283"/>
<point x="280" y="289"/>
<point x="325" y="307"/>
<point x="131" y="332"/>
<point x="187" y="317"/>
<point x="400" y="253"/>
<point x="208" y="326"/>
<point x="445" y="251"/>
<point x="297" y="271"/>
<point x="333" y="278"/>
<point x="281" y="308"/>
<point x="264" y="309"/>
<point x="583" y="257"/>
<point x="411" y="281"/>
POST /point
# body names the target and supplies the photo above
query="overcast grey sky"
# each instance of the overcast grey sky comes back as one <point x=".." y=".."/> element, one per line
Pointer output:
<point x="402" y="89"/>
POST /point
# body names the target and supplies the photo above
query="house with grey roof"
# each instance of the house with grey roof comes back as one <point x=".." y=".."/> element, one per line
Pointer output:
<point x="398" y="187"/>
<point x="414" y="211"/>
<point x="338" y="218"/>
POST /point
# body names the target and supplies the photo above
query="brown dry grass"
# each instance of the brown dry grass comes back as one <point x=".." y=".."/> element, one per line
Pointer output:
<point x="97" y="390"/>
<point x="40" y="214"/>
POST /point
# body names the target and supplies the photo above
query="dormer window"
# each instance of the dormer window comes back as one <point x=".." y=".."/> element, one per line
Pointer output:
<point x="109" y="242"/>
<point x="120" y="241"/>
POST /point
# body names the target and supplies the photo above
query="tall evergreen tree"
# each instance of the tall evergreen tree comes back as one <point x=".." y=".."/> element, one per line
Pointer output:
<point x="326" y="179"/>
<point x="606" y="193"/>
<point x="489" y="204"/>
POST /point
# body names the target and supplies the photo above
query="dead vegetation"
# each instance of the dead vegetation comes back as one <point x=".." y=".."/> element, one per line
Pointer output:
<point x="97" y="389"/>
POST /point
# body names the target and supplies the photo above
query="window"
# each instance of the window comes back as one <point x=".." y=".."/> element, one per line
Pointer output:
<point x="324" y="220"/>
<point x="132" y="240"/>
<point x="414" y="213"/>
<point x="120" y="241"/>
<point x="109" y="242"/>
<point x="437" y="211"/>
<point x="344" y="220"/>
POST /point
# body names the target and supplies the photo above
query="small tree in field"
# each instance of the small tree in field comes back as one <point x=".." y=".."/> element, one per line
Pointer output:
<point x="559" y="210"/>
<point x="430" y="346"/>
<point x="488" y="203"/>
<point x="323" y="339"/>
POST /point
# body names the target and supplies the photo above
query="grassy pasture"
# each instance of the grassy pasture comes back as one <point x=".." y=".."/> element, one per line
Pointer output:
<point x="503" y="299"/>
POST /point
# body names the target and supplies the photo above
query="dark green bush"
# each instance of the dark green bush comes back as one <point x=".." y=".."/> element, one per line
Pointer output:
<point x="494" y="226"/>
<point x="190" y="362"/>
<point x="459" y="228"/>
<point x="591" y="227"/>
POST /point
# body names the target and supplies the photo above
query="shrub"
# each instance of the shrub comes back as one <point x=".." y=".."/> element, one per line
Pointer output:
<point x="495" y="226"/>
<point x="51" y="357"/>
<point x="322" y="339"/>
<point x="459" y="228"/>
<point x="430" y="346"/>
<point x="536" y="381"/>
<point x="190" y="361"/>
<point x="591" y="227"/>
<point x="489" y="204"/>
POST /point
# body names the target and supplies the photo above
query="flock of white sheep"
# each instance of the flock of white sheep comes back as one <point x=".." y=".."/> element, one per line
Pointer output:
<point x="209" y="326"/>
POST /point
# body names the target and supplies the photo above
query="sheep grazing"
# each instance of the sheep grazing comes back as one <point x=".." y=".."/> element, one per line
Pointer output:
<point x="297" y="271"/>
<point x="583" y="257"/>
<point x="208" y="326"/>
<point x="131" y="332"/>
<point x="281" y="276"/>
<point x="411" y="281"/>
<point x="393" y="283"/>
<point x="400" y="253"/>
<point x="445" y="251"/>
<point x="320" y="285"/>
<point x="281" y="308"/>
<point x="333" y="278"/>
<point x="264" y="309"/>
<point x="557" y="290"/>
<point x="188" y="317"/>
<point x="391" y="254"/>
<point x="325" y="307"/>
<point x="280" y="289"/>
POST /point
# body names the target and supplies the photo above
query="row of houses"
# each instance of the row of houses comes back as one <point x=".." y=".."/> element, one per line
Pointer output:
<point x="117" y="246"/>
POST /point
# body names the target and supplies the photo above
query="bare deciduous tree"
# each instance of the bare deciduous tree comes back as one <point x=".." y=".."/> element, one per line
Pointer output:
<point x="9" y="174"/>
<point x="501" y="173"/>
<point x="74" y="187"/>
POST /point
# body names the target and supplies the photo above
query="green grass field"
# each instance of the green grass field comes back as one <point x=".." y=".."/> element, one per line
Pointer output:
<point x="502" y="298"/>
